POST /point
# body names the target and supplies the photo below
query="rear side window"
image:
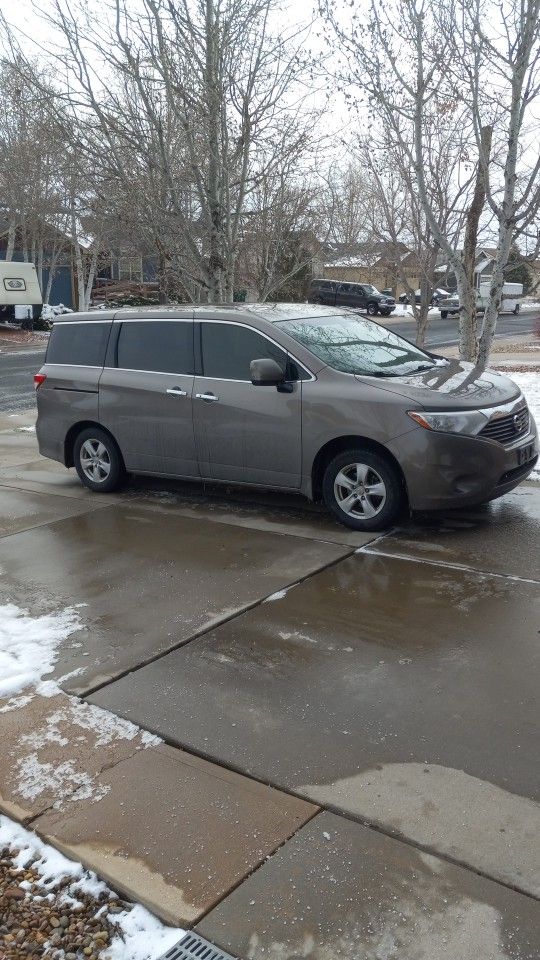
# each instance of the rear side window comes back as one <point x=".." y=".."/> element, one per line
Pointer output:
<point x="79" y="344"/>
<point x="158" y="346"/>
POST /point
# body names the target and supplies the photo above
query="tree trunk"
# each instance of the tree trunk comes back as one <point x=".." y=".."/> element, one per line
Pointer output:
<point x="468" y="341"/>
<point x="491" y="315"/>
<point x="39" y="266"/>
<point x="213" y="186"/>
<point x="91" y="274"/>
<point x="10" y="249"/>
<point x="52" y="271"/>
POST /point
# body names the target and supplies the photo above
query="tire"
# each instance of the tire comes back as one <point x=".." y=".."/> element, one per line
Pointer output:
<point x="376" y="512"/>
<point x="444" y="314"/>
<point x="515" y="311"/>
<point x="98" y="460"/>
<point x="372" y="309"/>
<point x="385" y="313"/>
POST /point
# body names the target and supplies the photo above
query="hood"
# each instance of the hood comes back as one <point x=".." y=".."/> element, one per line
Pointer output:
<point x="454" y="386"/>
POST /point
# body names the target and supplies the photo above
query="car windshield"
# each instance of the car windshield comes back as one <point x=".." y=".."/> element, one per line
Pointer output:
<point x="370" y="290"/>
<point x="357" y="345"/>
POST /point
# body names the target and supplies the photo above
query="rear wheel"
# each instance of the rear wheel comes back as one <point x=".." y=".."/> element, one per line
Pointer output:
<point x="372" y="309"/>
<point x="444" y="314"/>
<point x="363" y="489"/>
<point x="97" y="460"/>
<point x="385" y="313"/>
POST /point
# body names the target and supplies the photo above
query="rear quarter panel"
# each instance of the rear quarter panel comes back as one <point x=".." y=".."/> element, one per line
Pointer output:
<point x="68" y="396"/>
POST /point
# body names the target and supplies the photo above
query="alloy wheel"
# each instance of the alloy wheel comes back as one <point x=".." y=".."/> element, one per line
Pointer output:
<point x="360" y="491"/>
<point x="95" y="460"/>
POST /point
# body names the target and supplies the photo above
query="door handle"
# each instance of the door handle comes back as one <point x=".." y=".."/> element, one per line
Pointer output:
<point x="210" y="397"/>
<point x="177" y="392"/>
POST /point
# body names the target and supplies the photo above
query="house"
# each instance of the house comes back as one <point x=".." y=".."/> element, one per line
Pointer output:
<point x="377" y="263"/>
<point x="56" y="254"/>
<point x="483" y="270"/>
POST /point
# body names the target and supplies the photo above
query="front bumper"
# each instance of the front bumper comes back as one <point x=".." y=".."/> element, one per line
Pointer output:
<point x="451" y="470"/>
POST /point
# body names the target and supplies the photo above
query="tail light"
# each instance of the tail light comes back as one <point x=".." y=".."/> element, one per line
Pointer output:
<point x="39" y="378"/>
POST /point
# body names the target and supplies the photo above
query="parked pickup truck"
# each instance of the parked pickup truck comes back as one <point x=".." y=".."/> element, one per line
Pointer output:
<point x="362" y="296"/>
<point x="511" y="300"/>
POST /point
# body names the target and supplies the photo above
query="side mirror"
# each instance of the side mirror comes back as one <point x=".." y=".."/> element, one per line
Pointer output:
<point x="266" y="373"/>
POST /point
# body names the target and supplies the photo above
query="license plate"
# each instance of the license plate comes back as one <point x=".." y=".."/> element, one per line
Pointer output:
<point x="524" y="454"/>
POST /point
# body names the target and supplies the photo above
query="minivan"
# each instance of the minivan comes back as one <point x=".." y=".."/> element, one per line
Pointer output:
<point x="317" y="400"/>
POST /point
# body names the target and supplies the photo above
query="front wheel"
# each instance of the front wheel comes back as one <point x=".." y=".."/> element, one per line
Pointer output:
<point x="363" y="489"/>
<point x="444" y="314"/>
<point x="516" y="309"/>
<point x="98" y="460"/>
<point x="372" y="309"/>
<point x="385" y="313"/>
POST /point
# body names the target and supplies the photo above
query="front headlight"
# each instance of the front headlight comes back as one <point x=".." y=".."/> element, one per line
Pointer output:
<point x="469" y="422"/>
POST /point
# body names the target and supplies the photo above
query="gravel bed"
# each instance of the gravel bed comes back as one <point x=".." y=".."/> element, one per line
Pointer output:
<point x="40" y="922"/>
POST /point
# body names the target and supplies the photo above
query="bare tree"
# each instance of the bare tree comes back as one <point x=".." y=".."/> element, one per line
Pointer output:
<point x="203" y="96"/>
<point x="397" y="217"/>
<point x="427" y="60"/>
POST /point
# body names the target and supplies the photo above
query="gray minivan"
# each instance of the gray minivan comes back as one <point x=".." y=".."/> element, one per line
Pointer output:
<point x="312" y="399"/>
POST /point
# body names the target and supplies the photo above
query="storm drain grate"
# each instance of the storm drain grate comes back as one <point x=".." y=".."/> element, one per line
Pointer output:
<point x="194" y="947"/>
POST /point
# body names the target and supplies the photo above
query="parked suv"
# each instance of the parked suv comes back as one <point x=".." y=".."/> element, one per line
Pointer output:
<point x="307" y="399"/>
<point x="362" y="296"/>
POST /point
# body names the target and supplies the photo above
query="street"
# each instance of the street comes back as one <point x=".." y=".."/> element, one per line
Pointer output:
<point x="17" y="368"/>
<point x="444" y="333"/>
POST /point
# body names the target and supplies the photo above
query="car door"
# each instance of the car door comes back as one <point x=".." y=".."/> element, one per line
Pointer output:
<point x="145" y="395"/>
<point x="245" y="433"/>
<point x="358" y="297"/>
<point x="345" y="295"/>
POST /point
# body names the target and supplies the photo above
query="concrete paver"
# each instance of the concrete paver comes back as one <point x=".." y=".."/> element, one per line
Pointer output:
<point x="22" y="509"/>
<point x="53" y="749"/>
<point x="148" y="580"/>
<point x="340" y="890"/>
<point x="289" y="514"/>
<point x="173" y="831"/>
<point x="501" y="537"/>
<point x="400" y="692"/>
<point x="48" y="476"/>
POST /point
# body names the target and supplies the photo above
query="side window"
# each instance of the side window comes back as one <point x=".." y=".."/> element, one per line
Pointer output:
<point x="228" y="349"/>
<point x="78" y="344"/>
<point x="160" y="346"/>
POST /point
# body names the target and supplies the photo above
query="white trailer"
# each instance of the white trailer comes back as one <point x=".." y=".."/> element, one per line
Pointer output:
<point x="512" y="294"/>
<point x="19" y="284"/>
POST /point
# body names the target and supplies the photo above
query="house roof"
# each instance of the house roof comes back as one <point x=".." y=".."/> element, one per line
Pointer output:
<point x="365" y="254"/>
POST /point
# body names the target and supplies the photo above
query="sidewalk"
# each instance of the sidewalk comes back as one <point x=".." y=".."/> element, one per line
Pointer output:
<point x="299" y="741"/>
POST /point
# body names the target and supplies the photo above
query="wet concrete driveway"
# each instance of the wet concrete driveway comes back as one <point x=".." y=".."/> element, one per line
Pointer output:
<point x="391" y="682"/>
<point x="400" y="688"/>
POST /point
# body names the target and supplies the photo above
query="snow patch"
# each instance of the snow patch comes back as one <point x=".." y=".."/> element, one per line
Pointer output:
<point x="143" y="937"/>
<point x="29" y="645"/>
<point x="529" y="384"/>
<point x="61" y="779"/>
<point x="275" y="596"/>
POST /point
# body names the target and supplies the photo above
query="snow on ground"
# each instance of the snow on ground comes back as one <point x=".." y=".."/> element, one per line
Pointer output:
<point x="529" y="384"/>
<point x="29" y="647"/>
<point x="405" y="310"/>
<point x="141" y="936"/>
